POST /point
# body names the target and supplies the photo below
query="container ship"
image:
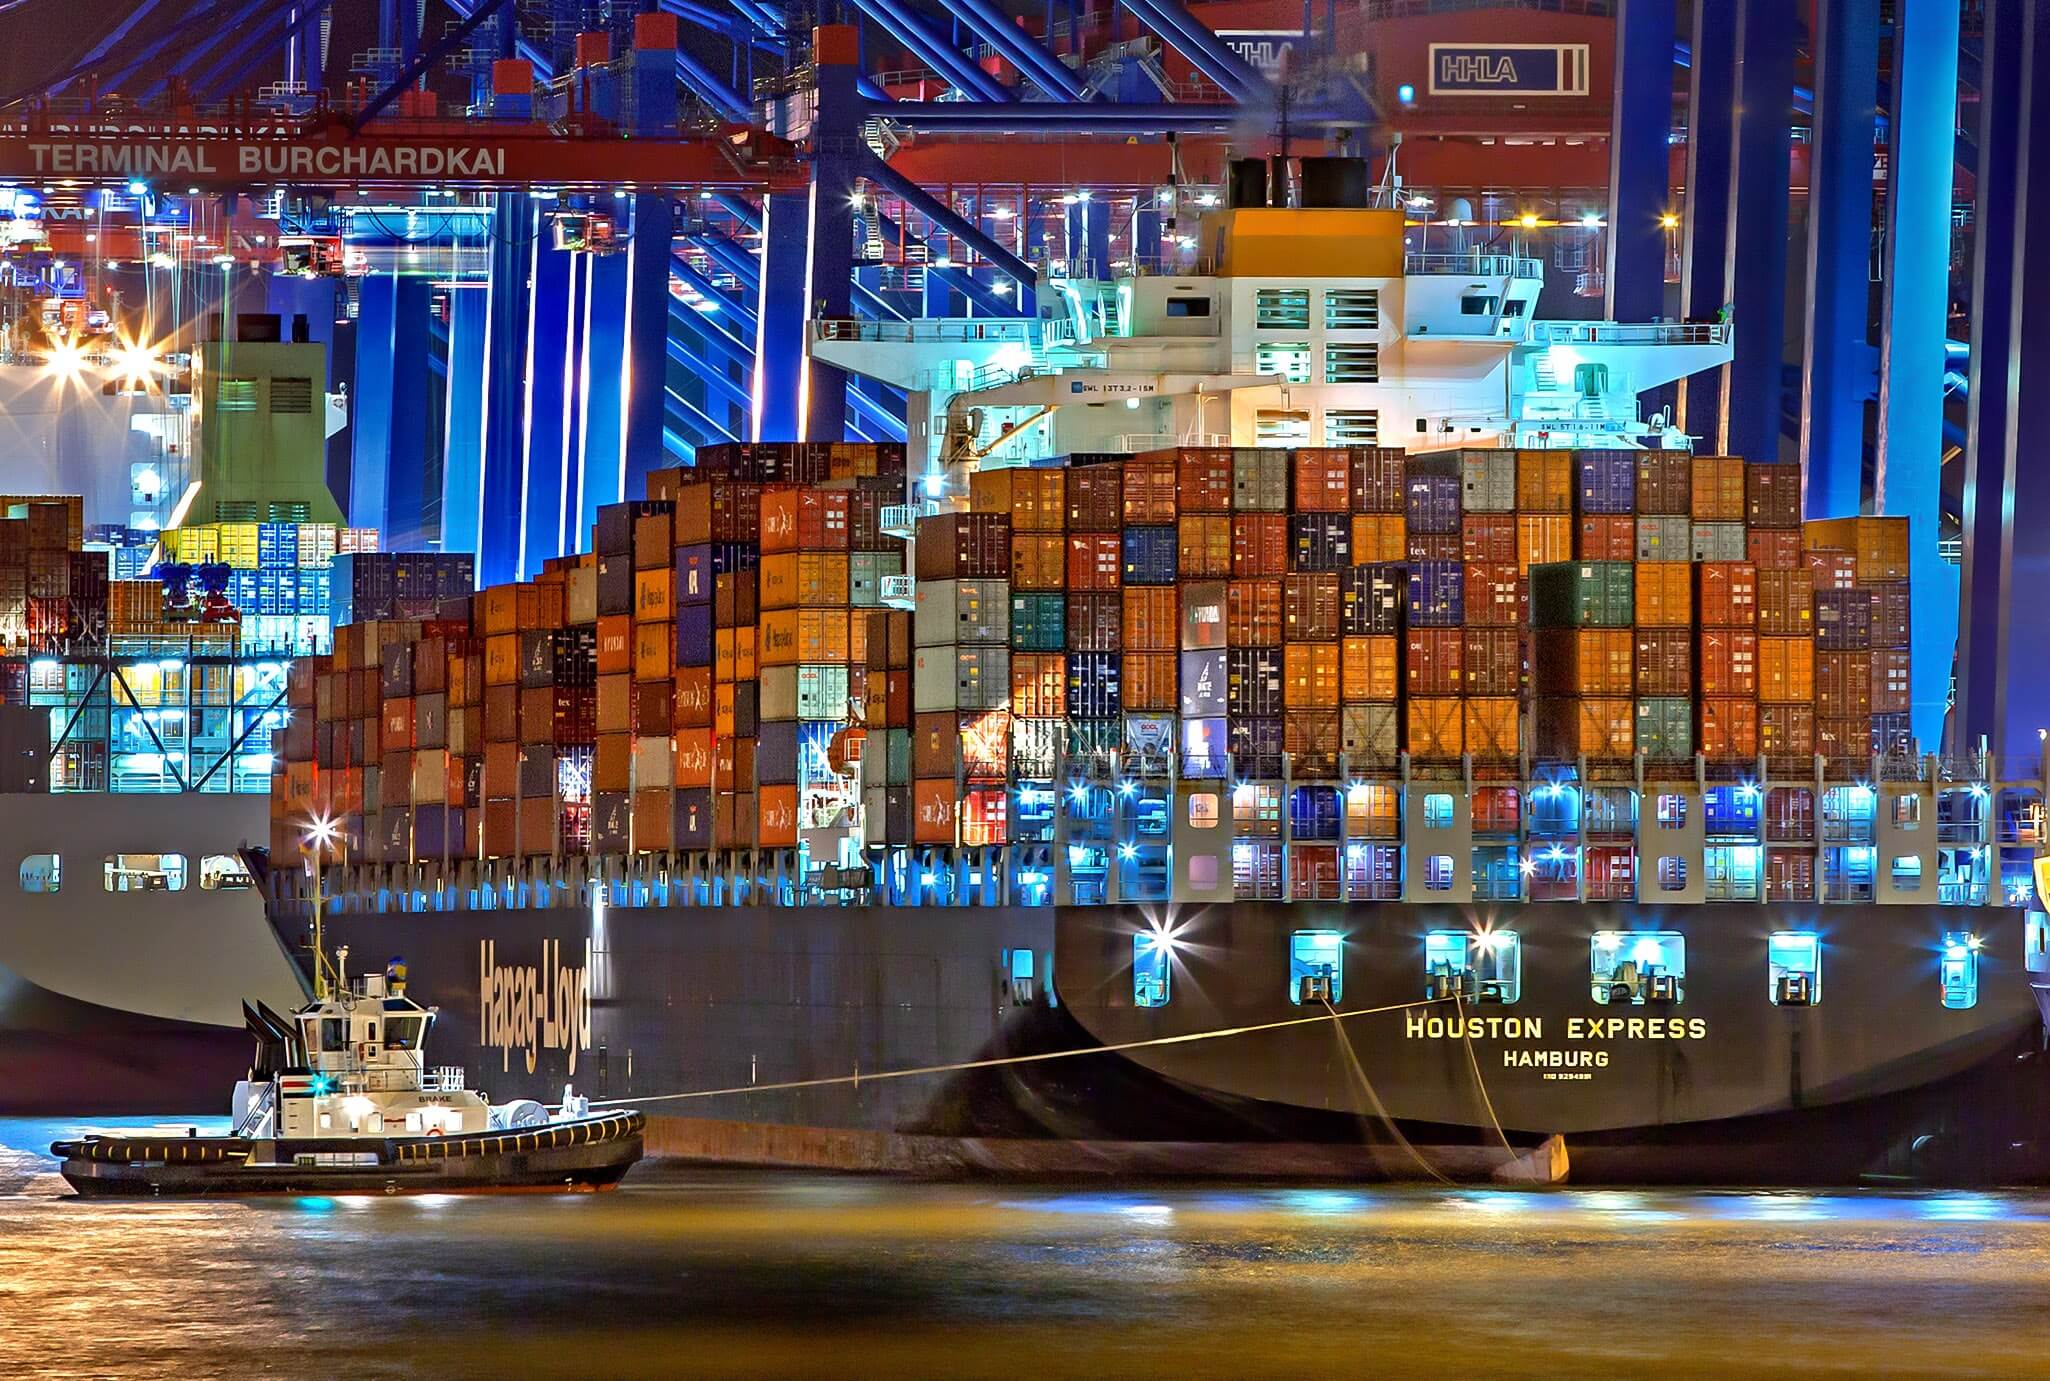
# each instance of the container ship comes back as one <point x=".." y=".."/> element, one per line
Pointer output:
<point x="1256" y="810"/>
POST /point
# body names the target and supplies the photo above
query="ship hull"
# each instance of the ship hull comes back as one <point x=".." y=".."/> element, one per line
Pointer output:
<point x="129" y="1003"/>
<point x="778" y="1036"/>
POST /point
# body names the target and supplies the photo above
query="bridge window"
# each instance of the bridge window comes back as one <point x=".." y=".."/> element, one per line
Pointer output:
<point x="1282" y="309"/>
<point x="1907" y="872"/>
<point x="1795" y="960"/>
<point x="1188" y="306"/>
<point x="223" y="873"/>
<point x="1438" y="811"/>
<point x="1316" y="967"/>
<point x="1960" y="970"/>
<point x="1352" y="427"/>
<point x="1479" y="304"/>
<point x="145" y="872"/>
<point x="1352" y="309"/>
<point x="1150" y="969"/>
<point x="1289" y="359"/>
<point x="41" y="873"/>
<point x="403" y="1033"/>
<point x="1352" y="364"/>
<point x="1282" y="427"/>
<point x="1638" y="967"/>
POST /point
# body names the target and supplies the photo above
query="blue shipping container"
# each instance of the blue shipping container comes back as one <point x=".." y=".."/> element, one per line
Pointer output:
<point x="1151" y="555"/>
<point x="1608" y="481"/>
<point x="1094" y="690"/>
<point x="1433" y="502"/>
<point x="1437" y="594"/>
<point x="1320" y="541"/>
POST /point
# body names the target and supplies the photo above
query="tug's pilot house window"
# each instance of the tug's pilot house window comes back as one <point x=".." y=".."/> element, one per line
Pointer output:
<point x="1795" y="957"/>
<point x="1480" y="967"/>
<point x="1150" y="970"/>
<point x="1316" y="967"/>
<point x="1638" y="967"/>
<point x="1960" y="970"/>
<point x="403" y="1033"/>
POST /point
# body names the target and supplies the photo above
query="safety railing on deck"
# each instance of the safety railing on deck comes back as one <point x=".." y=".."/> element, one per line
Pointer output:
<point x="1619" y="333"/>
<point x="1473" y="262"/>
<point x="999" y="330"/>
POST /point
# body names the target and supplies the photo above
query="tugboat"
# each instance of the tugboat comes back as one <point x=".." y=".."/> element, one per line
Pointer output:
<point x="340" y="1100"/>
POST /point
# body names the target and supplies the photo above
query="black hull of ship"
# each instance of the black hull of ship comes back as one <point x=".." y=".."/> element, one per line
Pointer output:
<point x="725" y="1004"/>
<point x="60" y="1057"/>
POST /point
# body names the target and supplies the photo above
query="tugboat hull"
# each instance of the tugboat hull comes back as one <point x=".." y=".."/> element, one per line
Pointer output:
<point x="591" y="1154"/>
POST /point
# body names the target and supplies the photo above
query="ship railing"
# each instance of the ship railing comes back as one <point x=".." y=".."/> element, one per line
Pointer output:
<point x="1629" y="333"/>
<point x="1474" y="263"/>
<point x="1132" y="443"/>
<point x="945" y="330"/>
<point x="443" y="1079"/>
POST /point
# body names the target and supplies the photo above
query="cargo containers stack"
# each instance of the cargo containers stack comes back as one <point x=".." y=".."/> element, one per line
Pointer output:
<point x="280" y="576"/>
<point x="961" y="678"/>
<point x="1859" y="567"/>
<point x="1786" y="617"/>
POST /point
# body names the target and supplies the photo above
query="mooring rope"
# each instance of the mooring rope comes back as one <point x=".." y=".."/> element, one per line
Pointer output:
<point x="1380" y="1110"/>
<point x="997" y="1062"/>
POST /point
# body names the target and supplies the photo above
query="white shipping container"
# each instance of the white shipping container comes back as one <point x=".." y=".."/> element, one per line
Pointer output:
<point x="1666" y="539"/>
<point x="778" y="692"/>
<point x="821" y="691"/>
<point x="962" y="611"/>
<point x="961" y="678"/>
<point x="1488" y="480"/>
<point x="1717" y="542"/>
<point x="654" y="762"/>
<point x="583" y="595"/>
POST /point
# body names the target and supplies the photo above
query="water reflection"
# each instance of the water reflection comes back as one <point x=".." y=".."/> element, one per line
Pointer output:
<point x="733" y="1274"/>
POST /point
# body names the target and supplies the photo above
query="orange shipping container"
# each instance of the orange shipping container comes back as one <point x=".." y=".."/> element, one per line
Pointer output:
<point x="652" y="600"/>
<point x="1718" y="489"/>
<point x="807" y="579"/>
<point x="693" y="757"/>
<point x="1205" y="545"/>
<point x="1544" y="484"/>
<point x="1542" y="538"/>
<point x="790" y="636"/>
<point x="1379" y="537"/>
<point x="1372" y="669"/>
<point x="1152" y="618"/>
<point x="1036" y="500"/>
<point x="1039" y="561"/>
<point x="1491" y="725"/>
<point x="1878" y="545"/>
<point x="1203" y="479"/>
<point x="1310" y="674"/>
<point x="1149" y="495"/>
<point x="1039" y="685"/>
<point x="1786" y="670"/>
<point x="1148" y="683"/>
<point x="1729" y="594"/>
<point x="502" y="659"/>
<point x="1665" y="594"/>
<point x="933" y="808"/>
<point x="615" y="645"/>
<point x="776" y="825"/>
<point x="1437" y="729"/>
<point x="692" y="707"/>
<point x="654" y="651"/>
<point x="1252" y="613"/>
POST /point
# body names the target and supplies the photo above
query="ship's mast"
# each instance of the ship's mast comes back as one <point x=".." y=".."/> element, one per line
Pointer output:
<point x="323" y="835"/>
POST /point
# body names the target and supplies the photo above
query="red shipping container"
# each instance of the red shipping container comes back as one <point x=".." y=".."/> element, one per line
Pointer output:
<point x="1313" y="873"/>
<point x="1488" y="537"/>
<point x="966" y="546"/>
<point x="1729" y="662"/>
<point x="1773" y="549"/>
<point x="1149" y="488"/>
<point x="1665" y="484"/>
<point x="1039" y="685"/>
<point x="1843" y="740"/>
<point x="1832" y="570"/>
<point x="1495" y="595"/>
<point x="1378" y="480"/>
<point x="1786" y="603"/>
<point x="1726" y="594"/>
<point x="1891" y="691"/>
<point x="1310" y="607"/>
<point x="1203" y="479"/>
<point x="1728" y="728"/>
<point x="1259" y="544"/>
<point x="1434" y="546"/>
<point x="1096" y="622"/>
<point x="1252" y="613"/>
<point x="1843" y="685"/>
<point x="1431" y="660"/>
<point x="1095" y="561"/>
<point x="1609" y="872"/>
<point x="1789" y="875"/>
<point x="1323" y="480"/>
<point x="1665" y="661"/>
<point x="984" y="818"/>
<point x="1892" y="607"/>
<point x="1772" y="496"/>
<point x="933" y="808"/>
<point x="1096" y="498"/>
<point x="1605" y="537"/>
<point x="1787" y="732"/>
<point x="1311" y="739"/>
<point x="1491" y="661"/>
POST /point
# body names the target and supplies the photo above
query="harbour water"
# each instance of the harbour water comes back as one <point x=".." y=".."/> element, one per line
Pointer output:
<point x="719" y="1273"/>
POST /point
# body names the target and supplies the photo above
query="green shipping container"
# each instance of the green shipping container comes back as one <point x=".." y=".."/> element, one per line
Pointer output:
<point x="896" y="757"/>
<point x="1583" y="594"/>
<point x="822" y="691"/>
<point x="1665" y="727"/>
<point x="1039" y="622"/>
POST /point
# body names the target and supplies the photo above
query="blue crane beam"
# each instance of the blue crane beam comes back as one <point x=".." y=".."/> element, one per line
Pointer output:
<point x="955" y="224"/>
<point x="425" y="61"/>
<point x="932" y="49"/>
<point x="99" y="51"/>
<point x="1205" y="51"/>
<point x="1020" y="49"/>
<point x="1101" y="117"/>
